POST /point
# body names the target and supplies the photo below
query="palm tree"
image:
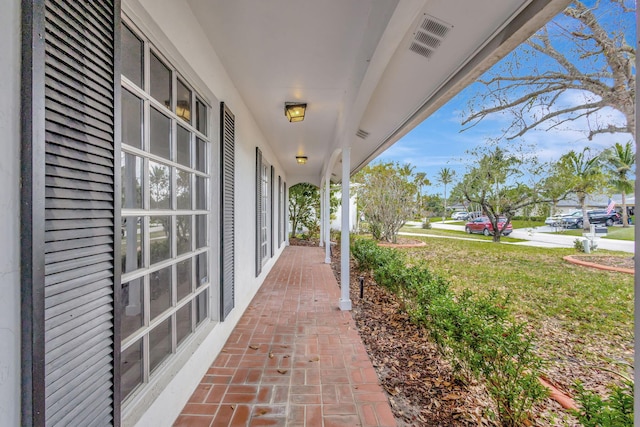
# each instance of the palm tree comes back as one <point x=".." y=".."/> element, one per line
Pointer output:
<point x="445" y="177"/>
<point x="587" y="177"/>
<point x="619" y="161"/>
<point x="421" y="179"/>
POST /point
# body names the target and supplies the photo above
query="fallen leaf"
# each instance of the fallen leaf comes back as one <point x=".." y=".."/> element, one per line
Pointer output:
<point x="254" y="347"/>
<point x="282" y="371"/>
<point x="270" y="355"/>
<point x="315" y="359"/>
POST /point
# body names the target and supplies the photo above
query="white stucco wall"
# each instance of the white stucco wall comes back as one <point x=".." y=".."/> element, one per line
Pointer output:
<point x="172" y="20"/>
<point x="10" y="213"/>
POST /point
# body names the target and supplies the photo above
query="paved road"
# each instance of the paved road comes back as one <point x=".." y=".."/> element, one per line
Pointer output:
<point x="540" y="237"/>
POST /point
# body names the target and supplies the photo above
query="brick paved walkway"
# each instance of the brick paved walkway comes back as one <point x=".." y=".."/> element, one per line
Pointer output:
<point x="294" y="359"/>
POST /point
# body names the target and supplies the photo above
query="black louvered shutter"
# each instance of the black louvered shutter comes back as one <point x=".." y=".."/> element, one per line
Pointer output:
<point x="227" y="207"/>
<point x="80" y="210"/>
<point x="272" y="212"/>
<point x="258" y="211"/>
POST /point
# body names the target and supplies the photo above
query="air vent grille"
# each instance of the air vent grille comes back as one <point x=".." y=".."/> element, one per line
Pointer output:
<point x="429" y="36"/>
<point x="362" y="134"/>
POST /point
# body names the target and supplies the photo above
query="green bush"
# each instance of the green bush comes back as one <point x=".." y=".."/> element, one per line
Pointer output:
<point x="474" y="332"/>
<point x="616" y="411"/>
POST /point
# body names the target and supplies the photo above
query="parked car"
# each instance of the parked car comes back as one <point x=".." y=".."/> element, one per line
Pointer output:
<point x="460" y="215"/>
<point x="573" y="220"/>
<point x="556" y="220"/>
<point x="602" y="217"/>
<point x="475" y="214"/>
<point x="595" y="217"/>
<point x="482" y="225"/>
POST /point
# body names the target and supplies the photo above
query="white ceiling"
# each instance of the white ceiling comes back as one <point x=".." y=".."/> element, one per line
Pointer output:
<point x="350" y="61"/>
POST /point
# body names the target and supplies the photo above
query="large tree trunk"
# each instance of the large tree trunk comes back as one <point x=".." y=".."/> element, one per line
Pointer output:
<point x="625" y="216"/>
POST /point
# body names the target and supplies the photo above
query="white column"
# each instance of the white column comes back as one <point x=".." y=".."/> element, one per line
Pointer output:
<point x="327" y="220"/>
<point x="322" y="215"/>
<point x="345" y="301"/>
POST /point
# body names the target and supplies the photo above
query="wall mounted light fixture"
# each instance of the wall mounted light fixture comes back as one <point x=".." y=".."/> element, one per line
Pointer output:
<point x="301" y="160"/>
<point x="294" y="111"/>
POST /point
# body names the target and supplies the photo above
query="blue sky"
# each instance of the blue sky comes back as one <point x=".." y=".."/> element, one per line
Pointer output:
<point x="439" y="142"/>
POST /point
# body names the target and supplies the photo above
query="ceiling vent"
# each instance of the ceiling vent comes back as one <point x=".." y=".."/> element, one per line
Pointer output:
<point x="362" y="134"/>
<point x="429" y="36"/>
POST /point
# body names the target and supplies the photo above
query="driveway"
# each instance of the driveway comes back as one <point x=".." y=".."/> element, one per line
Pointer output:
<point x="540" y="237"/>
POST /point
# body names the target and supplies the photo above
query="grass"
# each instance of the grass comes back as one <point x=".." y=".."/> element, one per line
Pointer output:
<point x="586" y="302"/>
<point x="617" y="233"/>
<point x="454" y="233"/>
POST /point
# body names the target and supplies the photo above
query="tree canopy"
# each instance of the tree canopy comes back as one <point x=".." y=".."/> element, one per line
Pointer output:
<point x="574" y="68"/>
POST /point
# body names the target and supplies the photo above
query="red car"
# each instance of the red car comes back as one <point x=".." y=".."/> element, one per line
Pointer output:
<point x="483" y="225"/>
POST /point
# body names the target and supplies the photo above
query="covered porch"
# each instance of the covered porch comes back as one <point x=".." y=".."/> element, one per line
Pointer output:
<point x="294" y="359"/>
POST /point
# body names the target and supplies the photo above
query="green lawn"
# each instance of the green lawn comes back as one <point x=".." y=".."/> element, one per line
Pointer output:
<point x="618" y="233"/>
<point x="454" y="233"/>
<point x="593" y="306"/>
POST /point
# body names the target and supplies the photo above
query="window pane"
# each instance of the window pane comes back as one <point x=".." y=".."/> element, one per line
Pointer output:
<point x="132" y="56"/>
<point x="201" y="231"/>
<point x="201" y="117"/>
<point x="184" y="278"/>
<point x="160" y="134"/>
<point x="183" y="190"/>
<point x="160" y="238"/>
<point x="131" y="119"/>
<point x="184" y="146"/>
<point x="183" y="233"/>
<point x="202" y="308"/>
<point x="160" y="291"/>
<point x="183" y="103"/>
<point x="202" y="275"/>
<point x="132" y="300"/>
<point x="183" y="323"/>
<point x="201" y="193"/>
<point x="131" y="369"/>
<point x="160" y="81"/>
<point x="132" y="243"/>
<point x="201" y="155"/>
<point x="159" y="344"/>
<point x="131" y="177"/>
<point x="159" y="186"/>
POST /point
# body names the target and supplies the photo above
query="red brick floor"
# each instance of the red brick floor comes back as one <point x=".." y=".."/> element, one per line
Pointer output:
<point x="294" y="359"/>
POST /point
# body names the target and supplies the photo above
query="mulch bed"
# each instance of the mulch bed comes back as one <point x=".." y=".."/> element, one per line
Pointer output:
<point x="421" y="386"/>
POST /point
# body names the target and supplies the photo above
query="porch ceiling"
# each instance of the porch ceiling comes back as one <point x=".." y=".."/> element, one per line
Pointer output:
<point x="350" y="60"/>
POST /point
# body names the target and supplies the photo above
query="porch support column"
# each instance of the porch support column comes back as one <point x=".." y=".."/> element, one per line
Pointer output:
<point x="327" y="219"/>
<point x="345" y="301"/>
<point x="322" y="215"/>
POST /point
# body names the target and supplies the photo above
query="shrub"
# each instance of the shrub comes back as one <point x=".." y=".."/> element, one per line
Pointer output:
<point x="474" y="332"/>
<point x="616" y="411"/>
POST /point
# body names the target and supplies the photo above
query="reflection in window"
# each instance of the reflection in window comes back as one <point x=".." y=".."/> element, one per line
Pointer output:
<point x="159" y="291"/>
<point x="183" y="323"/>
<point x="159" y="344"/>
<point x="184" y="278"/>
<point x="160" y="238"/>
<point x="132" y="313"/>
<point x="159" y="186"/>
<point x="184" y="147"/>
<point x="183" y="190"/>
<point x="183" y="103"/>
<point x="160" y="134"/>
<point x="201" y="269"/>
<point x="131" y="178"/>
<point x="201" y="193"/>
<point x="131" y="119"/>
<point x="132" y="56"/>
<point x="160" y="81"/>
<point x="201" y="117"/>
<point x="201" y="231"/>
<point x="131" y="368"/>
<point x="183" y="233"/>
<point x="201" y="155"/>
<point x="202" y="308"/>
<point x="132" y="243"/>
